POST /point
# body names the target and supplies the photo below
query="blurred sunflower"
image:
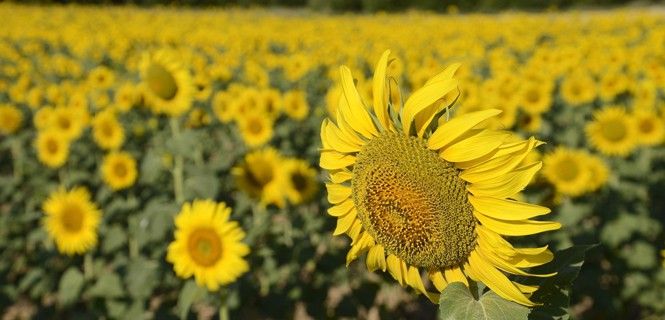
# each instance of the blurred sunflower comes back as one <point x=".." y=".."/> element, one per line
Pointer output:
<point x="255" y="128"/>
<point x="567" y="171"/>
<point x="126" y="96"/>
<point x="197" y="118"/>
<point x="107" y="131"/>
<point x="42" y="117"/>
<point x="295" y="104"/>
<point x="101" y="78"/>
<point x="650" y="128"/>
<point x="222" y="107"/>
<point x="258" y="176"/>
<point x="207" y="245"/>
<point x="272" y="103"/>
<point x="612" y="132"/>
<point x="52" y="148"/>
<point x="69" y="121"/>
<point x="166" y="83"/>
<point x="598" y="172"/>
<point x="10" y="119"/>
<point x="578" y="88"/>
<point x="435" y="198"/>
<point x="119" y="170"/>
<point x="536" y="98"/>
<point x="300" y="181"/>
<point x="71" y="219"/>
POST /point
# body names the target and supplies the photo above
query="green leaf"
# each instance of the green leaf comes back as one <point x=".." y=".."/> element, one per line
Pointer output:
<point x="456" y="302"/>
<point x="70" y="286"/>
<point x="205" y="186"/>
<point x="190" y="292"/>
<point x="141" y="278"/>
<point x="554" y="292"/>
<point x="107" y="286"/>
<point x="113" y="239"/>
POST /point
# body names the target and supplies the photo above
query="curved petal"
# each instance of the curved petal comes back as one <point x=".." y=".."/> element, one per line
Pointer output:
<point x="376" y="258"/>
<point x="355" y="111"/>
<point x="333" y="160"/>
<point x="497" y="166"/>
<point x="423" y="98"/>
<point x="344" y="223"/>
<point x="516" y="228"/>
<point x="438" y="280"/>
<point x="507" y="185"/>
<point x="475" y="146"/>
<point x="455" y="275"/>
<point x="496" y="280"/>
<point x="364" y="243"/>
<point x="457" y="126"/>
<point x="341" y="209"/>
<point x="337" y="193"/>
<point x="506" y="209"/>
<point x="379" y="91"/>
<point x="337" y="142"/>
<point x="341" y="176"/>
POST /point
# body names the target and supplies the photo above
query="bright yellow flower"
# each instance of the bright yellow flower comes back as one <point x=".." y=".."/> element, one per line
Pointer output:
<point x="207" y="245"/>
<point x="11" y="119"/>
<point x="612" y="132"/>
<point x="119" y="170"/>
<point x="71" y="220"/>
<point x="107" y="131"/>
<point x="258" y="176"/>
<point x="295" y="104"/>
<point x="417" y="197"/>
<point x="650" y="128"/>
<point x="256" y="129"/>
<point x="167" y="84"/>
<point x="52" y="148"/>
<point x="300" y="181"/>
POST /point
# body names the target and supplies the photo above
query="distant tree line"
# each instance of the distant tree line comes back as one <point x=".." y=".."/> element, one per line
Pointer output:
<point x="370" y="5"/>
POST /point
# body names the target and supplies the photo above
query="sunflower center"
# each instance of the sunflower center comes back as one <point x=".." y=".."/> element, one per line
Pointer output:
<point x="161" y="82"/>
<point x="646" y="126"/>
<point x="568" y="169"/>
<point x="204" y="246"/>
<point x="299" y="182"/>
<point x="413" y="202"/>
<point x="255" y="126"/>
<point x="614" y="130"/>
<point x="120" y="170"/>
<point x="72" y="218"/>
<point x="52" y="146"/>
<point x="64" y="123"/>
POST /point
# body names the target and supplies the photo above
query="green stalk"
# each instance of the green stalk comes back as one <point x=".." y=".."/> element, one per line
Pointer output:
<point x="178" y="163"/>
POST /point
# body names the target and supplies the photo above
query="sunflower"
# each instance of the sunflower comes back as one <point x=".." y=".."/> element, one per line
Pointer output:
<point x="650" y="128"/>
<point x="300" y="181"/>
<point x="71" y="219"/>
<point x="10" y="119"/>
<point x="256" y="129"/>
<point x="126" y="96"/>
<point x="52" y="148"/>
<point x="258" y="176"/>
<point x="101" y="78"/>
<point x="272" y="103"/>
<point x="578" y="89"/>
<point x="612" y="132"/>
<point x="295" y="104"/>
<point x="107" y="131"/>
<point x="598" y="172"/>
<point x="42" y="117"/>
<point x="418" y="196"/>
<point x="222" y="107"/>
<point x="166" y="83"/>
<point x="207" y="245"/>
<point x="536" y="98"/>
<point x="119" y="170"/>
<point x="69" y="121"/>
<point x="567" y="170"/>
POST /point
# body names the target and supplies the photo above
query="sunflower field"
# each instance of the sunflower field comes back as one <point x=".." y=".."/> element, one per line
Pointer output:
<point x="171" y="163"/>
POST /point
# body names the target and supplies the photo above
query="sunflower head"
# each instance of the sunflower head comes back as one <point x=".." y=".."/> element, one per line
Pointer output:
<point x="119" y="170"/>
<point x="258" y="176"/>
<point x="612" y="132"/>
<point x="52" y="148"/>
<point x="295" y="104"/>
<point x="107" y="131"/>
<point x="207" y="245"/>
<point x="167" y="84"/>
<point x="649" y="128"/>
<point x="300" y="182"/>
<point x="71" y="220"/>
<point x="420" y="191"/>
<point x="255" y="128"/>
<point x="10" y="119"/>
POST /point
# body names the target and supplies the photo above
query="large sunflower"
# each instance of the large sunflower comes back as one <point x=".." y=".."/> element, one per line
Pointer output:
<point x="167" y="83"/>
<point x="71" y="220"/>
<point x="420" y="193"/>
<point x="207" y="245"/>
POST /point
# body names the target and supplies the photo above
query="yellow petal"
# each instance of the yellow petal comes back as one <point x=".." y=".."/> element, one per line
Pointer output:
<point x="475" y="146"/>
<point x="496" y="280"/>
<point x="423" y="98"/>
<point x="414" y="280"/>
<point x="497" y="166"/>
<point x="447" y="73"/>
<point x="336" y="141"/>
<point x="341" y="209"/>
<point x="455" y="275"/>
<point x="341" y="176"/>
<point x="507" y="185"/>
<point x="344" y="223"/>
<point x="379" y="91"/>
<point x="424" y="118"/>
<point x="438" y="280"/>
<point x="532" y="260"/>
<point x="397" y="268"/>
<point x="347" y="132"/>
<point x="516" y="228"/>
<point x="337" y="192"/>
<point x="354" y="112"/>
<point x="527" y="290"/>
<point x="506" y="209"/>
<point x="333" y="160"/>
<point x="489" y="256"/>
<point x="354" y="231"/>
<point x="365" y="242"/>
<point x="376" y="258"/>
<point x="456" y="127"/>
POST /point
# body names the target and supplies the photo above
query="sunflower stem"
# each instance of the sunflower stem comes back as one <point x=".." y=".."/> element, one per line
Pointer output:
<point x="177" y="170"/>
<point x="87" y="266"/>
<point x="17" y="156"/>
<point x="223" y="309"/>
<point x="473" y="287"/>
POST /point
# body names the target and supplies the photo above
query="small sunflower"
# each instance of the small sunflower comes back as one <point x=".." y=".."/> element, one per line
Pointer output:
<point x="207" y="245"/>
<point x="222" y="107"/>
<point x="566" y="169"/>
<point x="42" y="118"/>
<point x="166" y="83"/>
<point x="300" y="181"/>
<point x="10" y="119"/>
<point x="52" y="148"/>
<point x="295" y="104"/>
<point x="126" y="97"/>
<point x="272" y="103"/>
<point x="107" y="131"/>
<point x="650" y="128"/>
<point x="71" y="219"/>
<point x="536" y="98"/>
<point x="70" y="121"/>
<point x="612" y="132"/>
<point x="101" y="78"/>
<point x="578" y="89"/>
<point x="598" y="170"/>
<point x="119" y="170"/>
<point x="420" y="193"/>
<point x="256" y="129"/>
<point x="258" y="176"/>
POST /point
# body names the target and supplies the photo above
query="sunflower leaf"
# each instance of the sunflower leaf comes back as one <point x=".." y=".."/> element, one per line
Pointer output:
<point x="190" y="292"/>
<point x="70" y="286"/>
<point x="554" y="292"/>
<point x="456" y="302"/>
